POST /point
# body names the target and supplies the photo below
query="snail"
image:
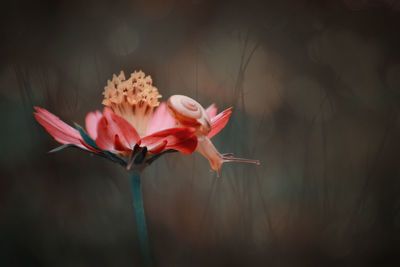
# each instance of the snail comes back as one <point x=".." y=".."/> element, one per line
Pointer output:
<point x="189" y="113"/>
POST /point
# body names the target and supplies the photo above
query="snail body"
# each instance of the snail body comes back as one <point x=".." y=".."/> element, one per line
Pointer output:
<point x="189" y="113"/>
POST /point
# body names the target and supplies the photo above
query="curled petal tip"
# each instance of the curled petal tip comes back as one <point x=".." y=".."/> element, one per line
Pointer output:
<point x="212" y="111"/>
<point x="219" y="122"/>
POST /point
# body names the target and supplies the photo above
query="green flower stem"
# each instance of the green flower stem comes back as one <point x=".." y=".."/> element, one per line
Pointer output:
<point x="140" y="219"/>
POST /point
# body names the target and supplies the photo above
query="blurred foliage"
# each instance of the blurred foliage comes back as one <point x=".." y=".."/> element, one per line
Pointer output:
<point x="316" y="92"/>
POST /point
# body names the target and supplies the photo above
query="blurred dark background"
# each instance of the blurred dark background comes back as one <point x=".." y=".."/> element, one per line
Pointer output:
<point x="315" y="87"/>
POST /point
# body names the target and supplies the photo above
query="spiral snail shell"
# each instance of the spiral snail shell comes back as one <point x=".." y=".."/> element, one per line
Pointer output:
<point x="188" y="112"/>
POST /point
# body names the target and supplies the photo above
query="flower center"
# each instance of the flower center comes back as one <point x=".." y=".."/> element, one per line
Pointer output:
<point x="133" y="99"/>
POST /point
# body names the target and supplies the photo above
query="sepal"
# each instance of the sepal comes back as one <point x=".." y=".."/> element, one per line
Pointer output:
<point x="59" y="148"/>
<point x="90" y="142"/>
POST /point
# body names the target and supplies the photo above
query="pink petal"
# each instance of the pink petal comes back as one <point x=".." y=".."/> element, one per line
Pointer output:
<point x="211" y="111"/>
<point x="59" y="130"/>
<point x="180" y="139"/>
<point x="157" y="147"/>
<point x="186" y="147"/>
<point x="112" y="127"/>
<point x="118" y="144"/>
<point x="104" y="140"/>
<point x="219" y="122"/>
<point x="91" y="121"/>
<point x="123" y="128"/>
<point x="160" y="120"/>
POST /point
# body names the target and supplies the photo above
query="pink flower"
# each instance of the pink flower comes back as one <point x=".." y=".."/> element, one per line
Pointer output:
<point x="128" y="121"/>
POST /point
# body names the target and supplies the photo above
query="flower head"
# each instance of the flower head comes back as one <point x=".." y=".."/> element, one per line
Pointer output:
<point x="129" y="127"/>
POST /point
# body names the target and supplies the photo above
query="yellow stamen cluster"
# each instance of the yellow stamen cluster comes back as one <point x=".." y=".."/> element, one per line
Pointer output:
<point x="138" y="89"/>
<point x="134" y="99"/>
